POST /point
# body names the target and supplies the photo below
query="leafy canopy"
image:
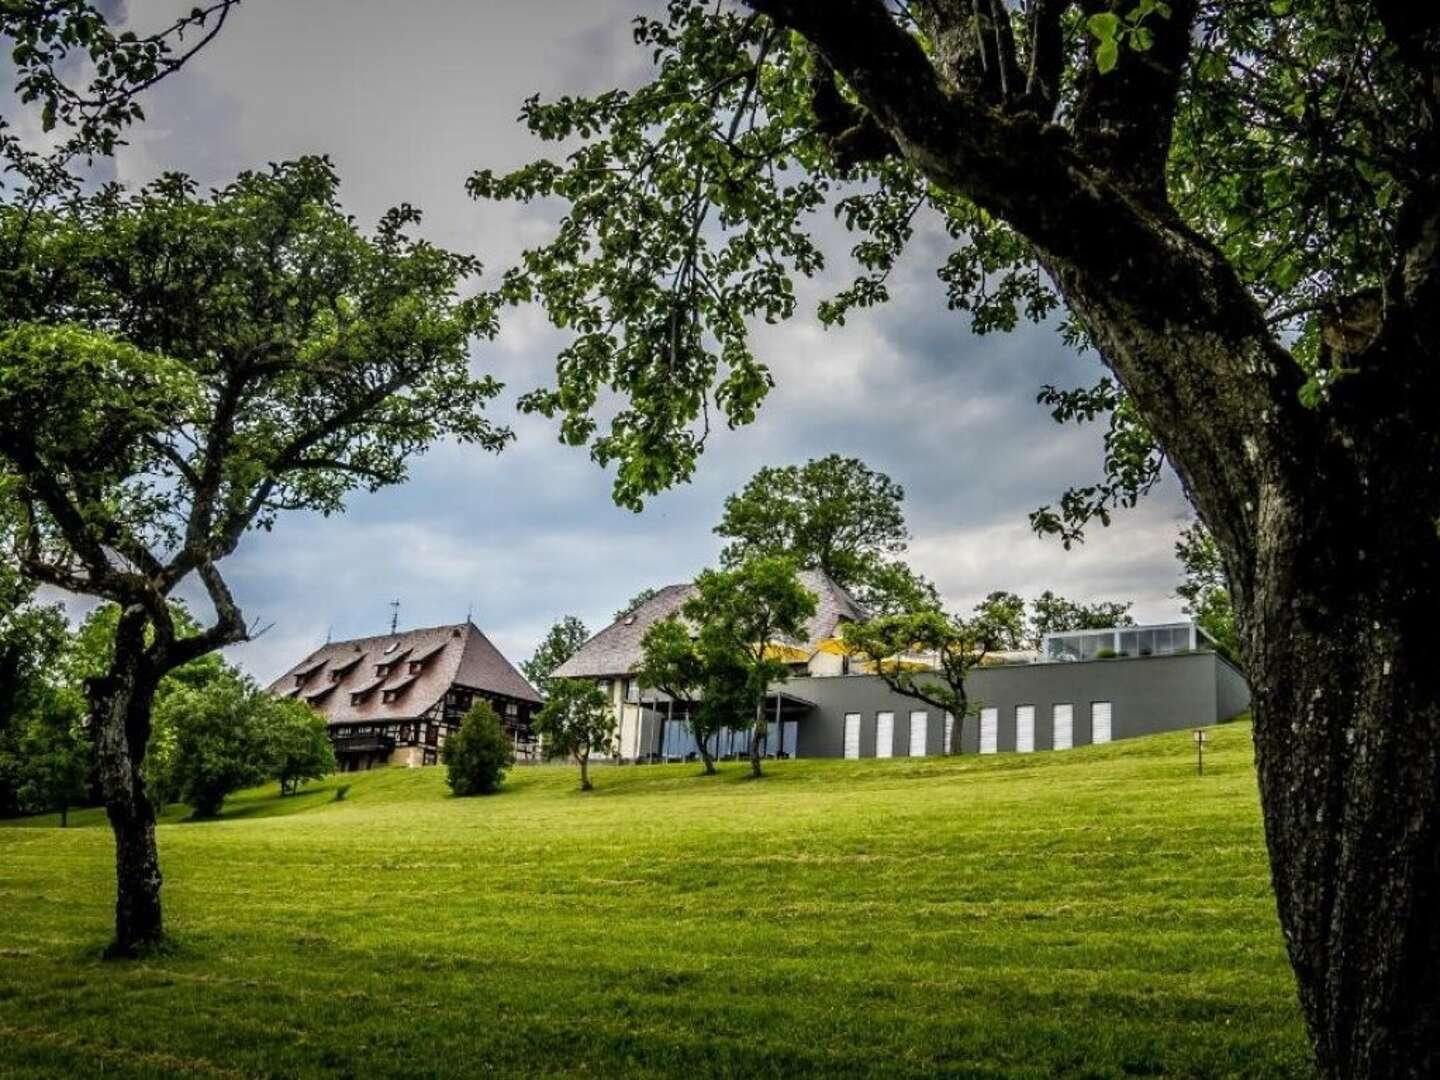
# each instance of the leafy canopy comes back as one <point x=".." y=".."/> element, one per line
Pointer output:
<point x="177" y="368"/>
<point x="560" y="643"/>
<point x="689" y="202"/>
<point x="222" y="741"/>
<point x="833" y="513"/>
<point x="928" y="654"/>
<point x="576" y="721"/>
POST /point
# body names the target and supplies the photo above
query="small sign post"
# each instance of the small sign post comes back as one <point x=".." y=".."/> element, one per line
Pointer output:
<point x="1199" y="751"/>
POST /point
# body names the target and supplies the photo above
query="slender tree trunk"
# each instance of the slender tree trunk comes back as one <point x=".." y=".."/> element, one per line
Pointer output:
<point x="585" y="784"/>
<point x="65" y="815"/>
<point x="757" y="735"/>
<point x="708" y="758"/>
<point x="121" y="703"/>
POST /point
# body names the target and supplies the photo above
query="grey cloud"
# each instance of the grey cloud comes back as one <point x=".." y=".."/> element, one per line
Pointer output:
<point x="408" y="107"/>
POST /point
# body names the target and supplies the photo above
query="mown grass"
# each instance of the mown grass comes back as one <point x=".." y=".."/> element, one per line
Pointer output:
<point x="1103" y="912"/>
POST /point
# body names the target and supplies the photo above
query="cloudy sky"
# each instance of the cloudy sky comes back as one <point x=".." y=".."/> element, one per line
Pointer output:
<point x="408" y="100"/>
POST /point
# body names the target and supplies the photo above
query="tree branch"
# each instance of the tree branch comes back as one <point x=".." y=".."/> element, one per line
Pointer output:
<point x="1047" y="58"/>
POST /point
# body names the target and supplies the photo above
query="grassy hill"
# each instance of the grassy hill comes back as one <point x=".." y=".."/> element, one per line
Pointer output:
<point x="1102" y="912"/>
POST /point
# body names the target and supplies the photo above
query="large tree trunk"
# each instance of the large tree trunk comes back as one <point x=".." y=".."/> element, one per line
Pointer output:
<point x="1343" y="649"/>
<point x="120" y="713"/>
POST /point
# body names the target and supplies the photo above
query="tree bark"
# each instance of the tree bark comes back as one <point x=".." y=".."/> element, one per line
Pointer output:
<point x="1326" y="517"/>
<point x="756" y="735"/>
<point x="1341" y="641"/>
<point x="705" y="755"/>
<point x="585" y="784"/>
<point x="120" y="714"/>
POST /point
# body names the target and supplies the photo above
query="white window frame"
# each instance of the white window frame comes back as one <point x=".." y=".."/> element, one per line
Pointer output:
<point x="1055" y="714"/>
<point x="989" y="730"/>
<point x="919" y="725"/>
<point x="885" y="748"/>
<point x="1025" y="729"/>
<point x="845" y="743"/>
<point x="1109" y="708"/>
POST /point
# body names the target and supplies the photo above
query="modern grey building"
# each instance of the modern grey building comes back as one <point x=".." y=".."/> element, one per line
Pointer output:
<point x="1080" y="688"/>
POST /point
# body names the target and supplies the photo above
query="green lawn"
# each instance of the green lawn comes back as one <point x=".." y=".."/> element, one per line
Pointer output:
<point x="1102" y="912"/>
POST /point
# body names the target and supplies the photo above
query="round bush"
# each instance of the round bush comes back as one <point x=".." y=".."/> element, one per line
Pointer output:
<point x="477" y="755"/>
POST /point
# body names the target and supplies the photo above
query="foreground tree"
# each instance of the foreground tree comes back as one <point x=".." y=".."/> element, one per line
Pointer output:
<point x="560" y="643"/>
<point x="479" y="754"/>
<point x="180" y="369"/>
<point x="1236" y="203"/>
<point x="576" y="721"/>
<point x="743" y="617"/>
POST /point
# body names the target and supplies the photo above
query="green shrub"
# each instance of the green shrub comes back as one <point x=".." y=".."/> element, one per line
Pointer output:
<point x="477" y="755"/>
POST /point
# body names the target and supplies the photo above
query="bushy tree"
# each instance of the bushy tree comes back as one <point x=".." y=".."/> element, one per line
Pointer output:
<point x="181" y="368"/>
<point x="576" y="721"/>
<point x="1205" y="589"/>
<point x="834" y="514"/>
<point x="1235" y="204"/>
<point x="672" y="663"/>
<point x="560" y="643"/>
<point x="222" y="738"/>
<point x="299" y="744"/>
<point x="928" y="655"/>
<point x="33" y="642"/>
<point x="742" y="617"/>
<point x="1051" y="614"/>
<point x="54" y="757"/>
<point x="478" y="755"/>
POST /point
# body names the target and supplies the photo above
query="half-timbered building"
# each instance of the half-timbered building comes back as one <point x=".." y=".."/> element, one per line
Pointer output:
<point x="394" y="699"/>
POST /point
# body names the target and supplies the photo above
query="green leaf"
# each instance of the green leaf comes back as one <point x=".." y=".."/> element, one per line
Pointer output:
<point x="1141" y="39"/>
<point x="1107" y="55"/>
<point x="1104" y="26"/>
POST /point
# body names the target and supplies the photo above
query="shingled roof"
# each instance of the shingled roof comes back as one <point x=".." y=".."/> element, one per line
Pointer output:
<point x="447" y="655"/>
<point x="616" y="650"/>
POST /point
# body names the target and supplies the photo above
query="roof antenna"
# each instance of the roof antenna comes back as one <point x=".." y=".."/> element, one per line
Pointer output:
<point x="329" y="633"/>
<point x="469" y="611"/>
<point x="394" y="615"/>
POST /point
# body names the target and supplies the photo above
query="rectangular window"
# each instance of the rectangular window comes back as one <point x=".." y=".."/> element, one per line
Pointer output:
<point x="1064" y="721"/>
<point x="989" y="730"/>
<point x="885" y="734"/>
<point x="1025" y="729"/>
<point x="852" y="735"/>
<point x="919" y="729"/>
<point x="432" y="734"/>
<point x="1099" y="722"/>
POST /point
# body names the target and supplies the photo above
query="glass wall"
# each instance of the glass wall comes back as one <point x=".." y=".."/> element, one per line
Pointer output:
<point x="1125" y="641"/>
